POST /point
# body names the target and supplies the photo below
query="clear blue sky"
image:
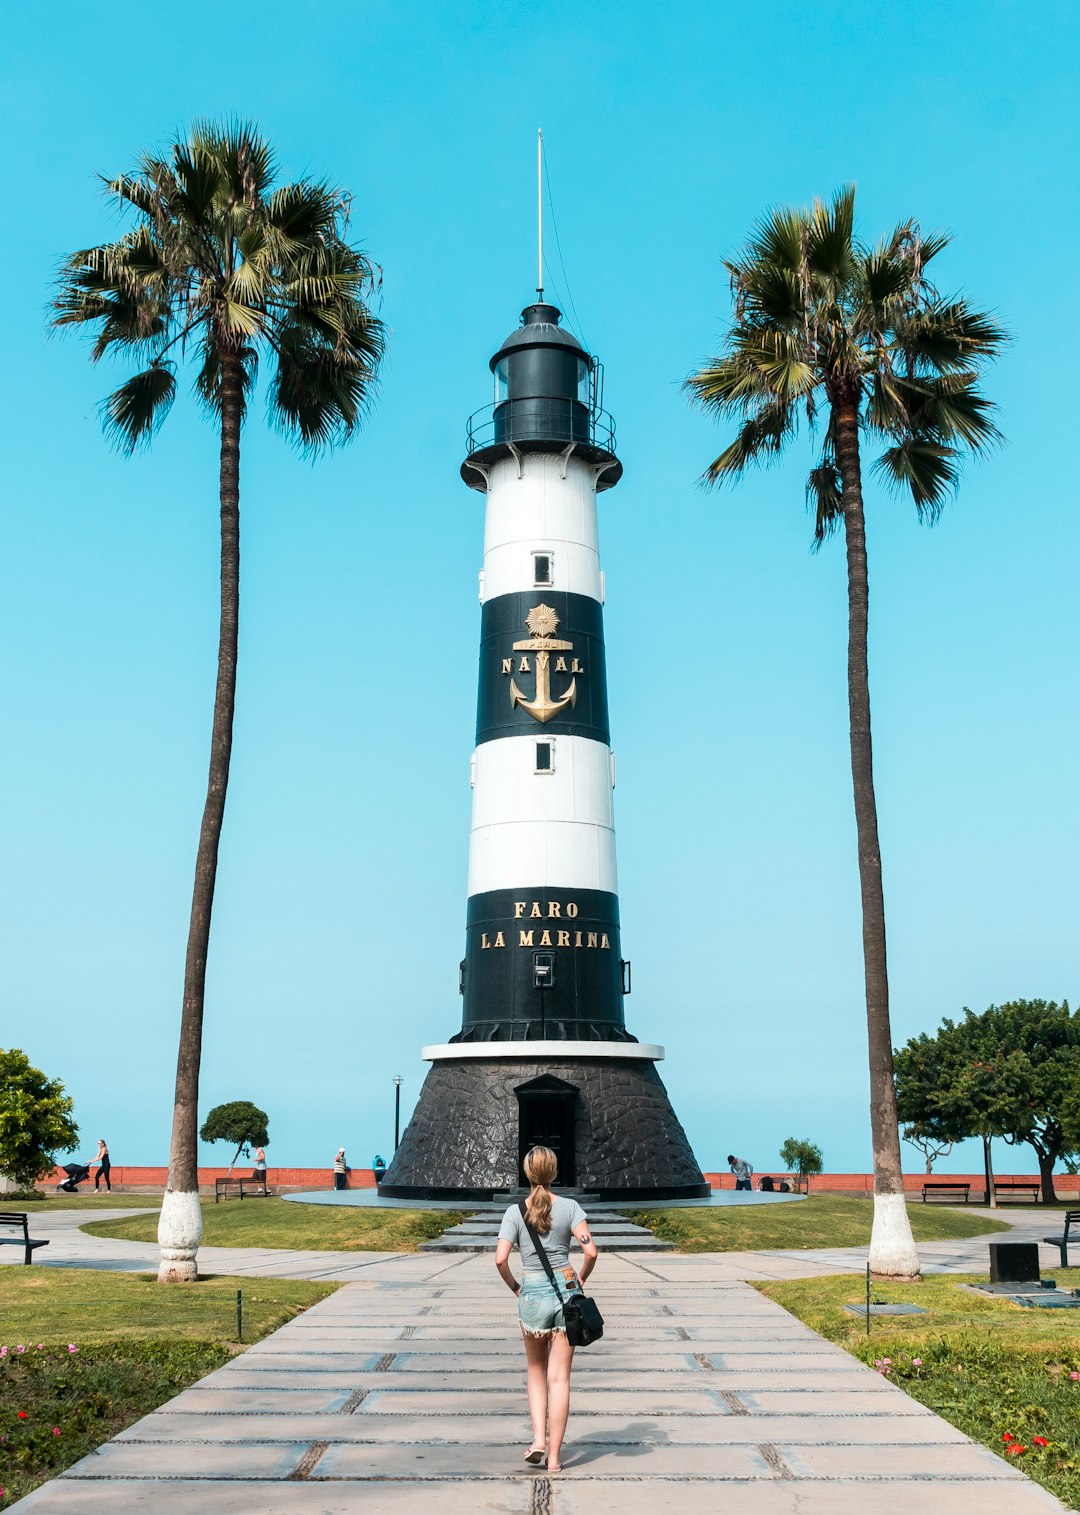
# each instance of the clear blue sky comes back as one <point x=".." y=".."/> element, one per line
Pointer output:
<point x="341" y="901"/>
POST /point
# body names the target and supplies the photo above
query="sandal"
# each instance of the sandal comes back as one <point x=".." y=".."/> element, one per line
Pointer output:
<point x="535" y="1455"/>
<point x="554" y="1467"/>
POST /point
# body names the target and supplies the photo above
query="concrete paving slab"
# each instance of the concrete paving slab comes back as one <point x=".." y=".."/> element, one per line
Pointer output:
<point x="645" y="1400"/>
<point x="575" y="1496"/>
<point x="891" y="1461"/>
<point x="501" y="1461"/>
<point x="305" y="1400"/>
<point x="818" y="1401"/>
<point x="252" y="1459"/>
<point x="240" y="1497"/>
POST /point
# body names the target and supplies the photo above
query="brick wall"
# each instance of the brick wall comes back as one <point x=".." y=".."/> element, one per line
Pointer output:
<point x="149" y="1178"/>
<point x="125" y="1176"/>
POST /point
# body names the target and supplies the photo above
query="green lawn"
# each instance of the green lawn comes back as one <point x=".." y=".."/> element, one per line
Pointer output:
<point x="992" y="1368"/>
<point x="274" y="1222"/>
<point x="42" y="1203"/>
<point x="822" y="1220"/>
<point x="136" y="1344"/>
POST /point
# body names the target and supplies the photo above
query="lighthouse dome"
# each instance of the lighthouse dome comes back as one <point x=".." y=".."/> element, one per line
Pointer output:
<point x="547" y="399"/>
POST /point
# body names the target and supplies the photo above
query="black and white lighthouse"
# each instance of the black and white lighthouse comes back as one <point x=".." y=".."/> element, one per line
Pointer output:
<point x="543" y="1053"/>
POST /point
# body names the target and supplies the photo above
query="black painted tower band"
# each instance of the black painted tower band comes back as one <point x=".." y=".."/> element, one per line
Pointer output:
<point x="505" y="930"/>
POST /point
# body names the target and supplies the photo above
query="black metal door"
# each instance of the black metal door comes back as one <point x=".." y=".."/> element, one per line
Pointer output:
<point x="547" y="1120"/>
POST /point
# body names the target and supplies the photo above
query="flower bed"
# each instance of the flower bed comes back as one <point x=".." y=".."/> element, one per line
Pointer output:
<point x="57" y="1403"/>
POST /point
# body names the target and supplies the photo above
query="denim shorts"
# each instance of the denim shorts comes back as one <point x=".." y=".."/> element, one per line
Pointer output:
<point x="540" y="1308"/>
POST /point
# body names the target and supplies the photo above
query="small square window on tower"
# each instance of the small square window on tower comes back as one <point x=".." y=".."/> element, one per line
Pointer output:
<point x="545" y="757"/>
<point x="542" y="569"/>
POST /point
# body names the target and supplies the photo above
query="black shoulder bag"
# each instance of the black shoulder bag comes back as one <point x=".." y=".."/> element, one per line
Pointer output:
<point x="584" y="1323"/>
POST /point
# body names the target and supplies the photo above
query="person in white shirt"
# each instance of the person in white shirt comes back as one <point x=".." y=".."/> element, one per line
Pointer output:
<point x="548" y="1354"/>
<point x="742" y="1170"/>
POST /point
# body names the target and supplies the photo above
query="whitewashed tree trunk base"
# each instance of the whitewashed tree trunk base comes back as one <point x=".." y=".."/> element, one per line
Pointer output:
<point x="892" y="1246"/>
<point x="179" y="1234"/>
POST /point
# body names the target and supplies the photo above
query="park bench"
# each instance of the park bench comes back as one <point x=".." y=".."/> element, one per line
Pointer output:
<point x="18" y="1220"/>
<point x="1006" y="1186"/>
<point x="941" y="1187"/>
<point x="1072" y="1218"/>
<point x="223" y="1187"/>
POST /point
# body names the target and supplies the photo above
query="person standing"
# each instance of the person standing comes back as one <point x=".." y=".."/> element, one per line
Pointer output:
<point x="548" y="1355"/>
<point x="105" y="1166"/>
<point x="340" y="1168"/>
<point x="259" y="1174"/>
<point x="742" y="1170"/>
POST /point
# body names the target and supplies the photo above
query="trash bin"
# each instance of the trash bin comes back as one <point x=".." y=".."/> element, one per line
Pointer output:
<point x="1014" y="1262"/>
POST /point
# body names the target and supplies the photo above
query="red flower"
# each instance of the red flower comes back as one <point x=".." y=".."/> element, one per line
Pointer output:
<point x="1016" y="1449"/>
<point x="1040" y="1441"/>
<point x="1008" y="1436"/>
<point x="22" y="1414"/>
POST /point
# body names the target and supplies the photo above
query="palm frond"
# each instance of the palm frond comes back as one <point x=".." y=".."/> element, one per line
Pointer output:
<point x="824" y="496"/>
<point x="946" y="335"/>
<point x="244" y="158"/>
<point x="303" y="211"/>
<point x="929" y="471"/>
<point x="760" y="440"/>
<point x="319" y="392"/>
<point x="134" y="412"/>
<point x="731" y="383"/>
<point x="951" y="409"/>
<point x="830" y="248"/>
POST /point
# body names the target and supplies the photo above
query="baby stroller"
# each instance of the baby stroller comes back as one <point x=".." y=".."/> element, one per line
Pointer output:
<point x="77" y="1173"/>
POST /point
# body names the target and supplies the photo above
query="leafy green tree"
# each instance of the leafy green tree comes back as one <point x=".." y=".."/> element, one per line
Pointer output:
<point x="35" y="1119"/>
<point x="1041" y="1040"/>
<point x="1010" y="1072"/>
<point x="859" y="342"/>
<point x="803" y="1158"/>
<point x="240" y="1123"/>
<point x="224" y="269"/>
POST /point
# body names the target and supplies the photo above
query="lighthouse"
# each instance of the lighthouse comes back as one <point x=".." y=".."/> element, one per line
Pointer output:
<point x="543" y="1054"/>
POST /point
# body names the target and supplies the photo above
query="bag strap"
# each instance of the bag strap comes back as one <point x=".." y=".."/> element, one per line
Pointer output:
<point x="539" y="1248"/>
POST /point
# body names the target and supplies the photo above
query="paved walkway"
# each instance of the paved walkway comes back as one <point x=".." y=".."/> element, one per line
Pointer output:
<point x="405" y="1392"/>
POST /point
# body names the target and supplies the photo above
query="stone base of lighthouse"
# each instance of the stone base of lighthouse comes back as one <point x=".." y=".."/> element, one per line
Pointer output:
<point x="608" y="1118"/>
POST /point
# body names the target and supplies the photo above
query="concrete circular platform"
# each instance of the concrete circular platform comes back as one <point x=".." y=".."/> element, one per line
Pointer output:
<point x="371" y="1199"/>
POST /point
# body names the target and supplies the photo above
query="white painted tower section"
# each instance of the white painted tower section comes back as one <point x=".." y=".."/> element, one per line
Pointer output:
<point x="542" y="826"/>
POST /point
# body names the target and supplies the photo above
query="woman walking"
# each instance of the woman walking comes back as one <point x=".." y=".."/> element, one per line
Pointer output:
<point x="105" y="1169"/>
<point x="548" y="1355"/>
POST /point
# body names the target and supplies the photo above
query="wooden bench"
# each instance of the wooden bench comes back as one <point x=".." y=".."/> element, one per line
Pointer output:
<point x="1016" y="1186"/>
<point x="792" y="1180"/>
<point x="942" y="1187"/>
<point x="223" y="1187"/>
<point x="19" y="1221"/>
<point x="1072" y="1218"/>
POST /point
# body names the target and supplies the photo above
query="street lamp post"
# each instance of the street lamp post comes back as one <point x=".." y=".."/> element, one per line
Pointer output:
<point x="397" y="1109"/>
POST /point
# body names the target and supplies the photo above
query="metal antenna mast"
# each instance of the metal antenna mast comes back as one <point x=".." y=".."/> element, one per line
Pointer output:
<point x="539" y="213"/>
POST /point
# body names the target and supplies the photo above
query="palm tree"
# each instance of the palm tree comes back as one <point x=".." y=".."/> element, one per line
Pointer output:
<point x="225" y="269"/>
<point x="859" y="340"/>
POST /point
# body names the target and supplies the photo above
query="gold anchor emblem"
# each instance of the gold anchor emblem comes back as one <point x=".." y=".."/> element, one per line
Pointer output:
<point x="542" y="621"/>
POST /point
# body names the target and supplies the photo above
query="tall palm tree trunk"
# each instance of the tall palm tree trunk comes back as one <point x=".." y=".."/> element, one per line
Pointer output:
<point x="892" y="1247"/>
<point x="180" y="1227"/>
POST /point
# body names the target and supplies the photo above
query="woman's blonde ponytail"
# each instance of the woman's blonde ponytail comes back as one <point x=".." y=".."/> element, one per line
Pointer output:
<point x="540" y="1168"/>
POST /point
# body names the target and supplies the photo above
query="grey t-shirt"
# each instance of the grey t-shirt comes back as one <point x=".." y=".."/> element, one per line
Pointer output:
<point x="565" y="1215"/>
